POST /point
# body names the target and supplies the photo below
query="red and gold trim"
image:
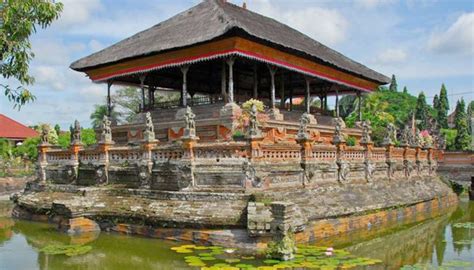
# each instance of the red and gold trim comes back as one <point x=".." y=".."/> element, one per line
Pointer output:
<point x="234" y="46"/>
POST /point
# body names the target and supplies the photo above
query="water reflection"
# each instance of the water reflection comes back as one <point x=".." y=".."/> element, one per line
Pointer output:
<point x="433" y="242"/>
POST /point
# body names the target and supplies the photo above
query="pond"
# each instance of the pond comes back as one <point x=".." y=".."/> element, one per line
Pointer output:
<point x="445" y="242"/>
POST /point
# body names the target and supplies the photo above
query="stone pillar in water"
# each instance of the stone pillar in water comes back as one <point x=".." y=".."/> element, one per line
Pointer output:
<point x="283" y="246"/>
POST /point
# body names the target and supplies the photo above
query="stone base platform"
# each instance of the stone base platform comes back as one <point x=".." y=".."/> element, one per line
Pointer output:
<point x="222" y="218"/>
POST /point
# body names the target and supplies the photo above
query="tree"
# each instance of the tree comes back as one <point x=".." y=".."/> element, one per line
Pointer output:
<point x="99" y="112"/>
<point x="347" y="104"/>
<point x="462" y="140"/>
<point x="57" y="128"/>
<point x="405" y="90"/>
<point x="127" y="101"/>
<point x="421" y="112"/>
<point x="435" y="102"/>
<point x="470" y="117"/>
<point x="20" y="21"/>
<point x="393" y="84"/>
<point x="443" y="107"/>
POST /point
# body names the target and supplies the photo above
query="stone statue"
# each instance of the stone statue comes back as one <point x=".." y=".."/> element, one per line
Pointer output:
<point x="369" y="169"/>
<point x="411" y="138"/>
<point x="418" y="139"/>
<point x="441" y="142"/>
<point x="76" y="133"/>
<point x="343" y="170"/>
<point x="366" y="130"/>
<point x="338" y="135"/>
<point x="106" y="135"/>
<point x="407" y="168"/>
<point x="253" y="129"/>
<point x="149" y="132"/>
<point x="404" y="137"/>
<point x="44" y="135"/>
<point x="144" y="175"/>
<point x="303" y="130"/>
<point x="190" y="123"/>
<point x="101" y="176"/>
<point x="390" y="134"/>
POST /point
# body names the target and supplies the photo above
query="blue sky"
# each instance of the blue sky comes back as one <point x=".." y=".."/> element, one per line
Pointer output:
<point x="423" y="42"/>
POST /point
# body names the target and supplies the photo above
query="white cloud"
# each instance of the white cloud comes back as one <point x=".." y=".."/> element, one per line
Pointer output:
<point x="49" y="76"/>
<point x="323" y="24"/>
<point x="391" y="56"/>
<point x="95" y="45"/>
<point x="370" y="4"/>
<point x="78" y="11"/>
<point x="93" y="92"/>
<point x="457" y="39"/>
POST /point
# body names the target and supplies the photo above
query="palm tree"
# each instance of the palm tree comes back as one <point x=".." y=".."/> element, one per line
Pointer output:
<point x="99" y="113"/>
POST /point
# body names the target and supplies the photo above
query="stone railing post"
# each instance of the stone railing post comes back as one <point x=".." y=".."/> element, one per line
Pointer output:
<point x="254" y="135"/>
<point x="74" y="148"/>
<point x="189" y="140"/>
<point x="43" y="149"/>
<point x="149" y="141"/>
<point x="340" y="143"/>
<point x="388" y="143"/>
<point x="368" y="145"/>
<point x="306" y="143"/>
<point x="102" y="173"/>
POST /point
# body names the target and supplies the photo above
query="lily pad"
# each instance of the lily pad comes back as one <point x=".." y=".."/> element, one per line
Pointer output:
<point x="68" y="250"/>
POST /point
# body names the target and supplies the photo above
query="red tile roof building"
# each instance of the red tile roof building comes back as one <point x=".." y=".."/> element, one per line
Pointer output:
<point x="15" y="131"/>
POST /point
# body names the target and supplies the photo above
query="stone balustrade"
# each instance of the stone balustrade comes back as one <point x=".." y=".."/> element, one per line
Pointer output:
<point x="253" y="163"/>
<point x="227" y="159"/>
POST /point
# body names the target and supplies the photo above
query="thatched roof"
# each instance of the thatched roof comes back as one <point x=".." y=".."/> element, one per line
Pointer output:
<point x="212" y="19"/>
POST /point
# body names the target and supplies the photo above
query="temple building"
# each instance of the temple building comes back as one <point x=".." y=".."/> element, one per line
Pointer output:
<point x="239" y="136"/>
<point x="217" y="54"/>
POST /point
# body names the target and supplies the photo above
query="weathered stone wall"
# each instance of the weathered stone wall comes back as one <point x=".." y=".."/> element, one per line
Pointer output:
<point x="457" y="166"/>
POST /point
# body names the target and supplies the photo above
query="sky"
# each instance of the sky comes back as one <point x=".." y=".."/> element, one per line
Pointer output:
<point x="423" y="42"/>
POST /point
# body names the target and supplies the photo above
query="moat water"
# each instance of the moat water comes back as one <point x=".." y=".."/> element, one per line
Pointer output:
<point x="445" y="242"/>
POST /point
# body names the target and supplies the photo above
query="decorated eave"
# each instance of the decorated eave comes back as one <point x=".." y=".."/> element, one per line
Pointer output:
<point x="216" y="29"/>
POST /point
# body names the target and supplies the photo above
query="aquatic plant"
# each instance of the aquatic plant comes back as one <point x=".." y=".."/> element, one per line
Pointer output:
<point x="454" y="264"/>
<point x="68" y="250"/>
<point x="306" y="257"/>
<point x="464" y="225"/>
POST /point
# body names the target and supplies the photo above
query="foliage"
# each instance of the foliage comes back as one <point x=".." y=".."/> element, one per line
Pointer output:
<point x="449" y="135"/>
<point x="247" y="105"/>
<point x="443" y="107"/>
<point x="393" y="84"/>
<point x="435" y="102"/>
<point x="57" y="128"/>
<point x="405" y="90"/>
<point x="5" y="149"/>
<point x="347" y="105"/>
<point x="462" y="140"/>
<point x="98" y="115"/>
<point x="87" y="135"/>
<point x="457" y="188"/>
<point x="127" y="100"/>
<point x="52" y="135"/>
<point x="29" y="149"/>
<point x="376" y="109"/>
<point x="421" y="112"/>
<point x="470" y="116"/>
<point x="350" y="141"/>
<point x="19" y="21"/>
<point x="68" y="250"/>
